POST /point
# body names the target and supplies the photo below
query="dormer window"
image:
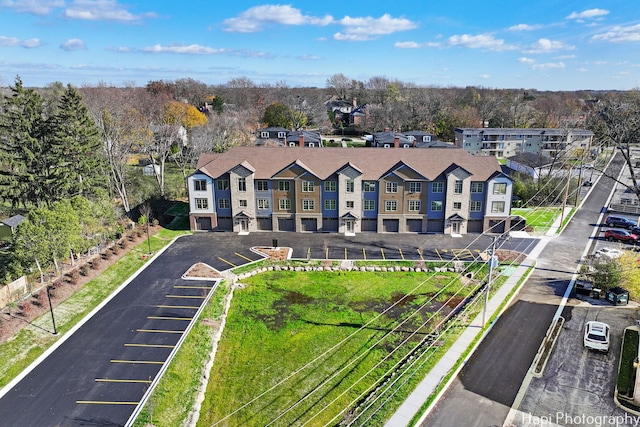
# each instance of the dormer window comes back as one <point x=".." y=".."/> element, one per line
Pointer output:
<point x="264" y="134"/>
<point x="426" y="138"/>
<point x="281" y="134"/>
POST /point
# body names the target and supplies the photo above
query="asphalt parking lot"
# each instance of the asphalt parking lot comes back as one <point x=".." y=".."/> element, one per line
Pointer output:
<point x="228" y="250"/>
<point x="577" y="385"/>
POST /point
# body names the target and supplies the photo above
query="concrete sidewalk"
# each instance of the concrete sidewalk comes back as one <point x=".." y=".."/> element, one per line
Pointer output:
<point x="411" y="406"/>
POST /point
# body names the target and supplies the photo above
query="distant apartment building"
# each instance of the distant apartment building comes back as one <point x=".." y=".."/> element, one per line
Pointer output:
<point x="507" y="142"/>
<point x="348" y="190"/>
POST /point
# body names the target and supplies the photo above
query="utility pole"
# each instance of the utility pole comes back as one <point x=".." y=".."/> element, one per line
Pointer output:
<point x="492" y="261"/>
<point x="566" y="195"/>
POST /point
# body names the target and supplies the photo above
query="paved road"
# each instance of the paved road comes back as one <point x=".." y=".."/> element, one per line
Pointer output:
<point x="486" y="387"/>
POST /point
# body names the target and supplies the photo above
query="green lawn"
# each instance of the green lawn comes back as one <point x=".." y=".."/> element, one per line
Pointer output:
<point x="315" y="336"/>
<point x="541" y="219"/>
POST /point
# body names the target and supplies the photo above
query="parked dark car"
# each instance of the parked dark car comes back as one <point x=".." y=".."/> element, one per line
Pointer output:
<point x="619" y="221"/>
<point x="620" y="235"/>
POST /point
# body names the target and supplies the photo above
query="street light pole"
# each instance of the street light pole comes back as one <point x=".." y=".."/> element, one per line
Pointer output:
<point x="53" y="320"/>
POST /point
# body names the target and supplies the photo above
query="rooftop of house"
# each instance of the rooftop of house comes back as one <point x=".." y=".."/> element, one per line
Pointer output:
<point x="267" y="162"/>
<point x="525" y="131"/>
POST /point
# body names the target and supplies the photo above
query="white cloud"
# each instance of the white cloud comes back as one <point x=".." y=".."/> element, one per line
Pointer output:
<point x="102" y="10"/>
<point x="255" y="18"/>
<point x="73" y="44"/>
<point x="120" y="49"/>
<point x="368" y="28"/>
<point x="407" y="45"/>
<point x="37" y="7"/>
<point x="481" y="41"/>
<point x="548" y="65"/>
<point x="588" y="14"/>
<point x="485" y="76"/>
<point x="524" y="27"/>
<point x="14" y="41"/>
<point x="526" y="60"/>
<point x="620" y="34"/>
<point x="546" y="46"/>
<point x="192" y="49"/>
<point x="309" y="57"/>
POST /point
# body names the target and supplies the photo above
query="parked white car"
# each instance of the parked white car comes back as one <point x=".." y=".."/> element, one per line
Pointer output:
<point x="611" y="253"/>
<point x="596" y="336"/>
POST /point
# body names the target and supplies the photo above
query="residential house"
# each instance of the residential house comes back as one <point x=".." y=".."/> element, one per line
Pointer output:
<point x="507" y="142"/>
<point x="304" y="138"/>
<point x="347" y="190"/>
<point x="388" y="139"/>
<point x="532" y="164"/>
<point x="272" y="136"/>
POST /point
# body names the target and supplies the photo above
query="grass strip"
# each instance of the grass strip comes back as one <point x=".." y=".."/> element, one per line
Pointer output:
<point x="173" y="397"/>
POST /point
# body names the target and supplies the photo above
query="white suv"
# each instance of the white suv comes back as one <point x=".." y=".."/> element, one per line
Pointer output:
<point x="596" y="336"/>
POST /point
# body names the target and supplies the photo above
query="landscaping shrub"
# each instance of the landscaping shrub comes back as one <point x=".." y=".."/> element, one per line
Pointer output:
<point x="84" y="270"/>
<point x="95" y="264"/>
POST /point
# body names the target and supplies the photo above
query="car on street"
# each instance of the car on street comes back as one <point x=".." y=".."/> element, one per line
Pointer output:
<point x="596" y="336"/>
<point x="614" y="234"/>
<point x="588" y="184"/>
<point x="619" y="221"/>
<point x="612" y="253"/>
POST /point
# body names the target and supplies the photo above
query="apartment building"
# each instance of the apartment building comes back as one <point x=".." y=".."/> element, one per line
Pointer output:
<point x="348" y="190"/>
<point x="507" y="142"/>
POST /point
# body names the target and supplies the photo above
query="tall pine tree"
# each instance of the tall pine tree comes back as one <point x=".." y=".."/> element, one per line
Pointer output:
<point x="22" y="154"/>
<point x="74" y="150"/>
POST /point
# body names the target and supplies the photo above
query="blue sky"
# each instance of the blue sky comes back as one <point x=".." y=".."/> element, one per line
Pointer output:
<point x="539" y="44"/>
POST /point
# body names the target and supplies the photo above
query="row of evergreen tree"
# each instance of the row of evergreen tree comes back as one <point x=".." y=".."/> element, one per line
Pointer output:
<point x="50" y="150"/>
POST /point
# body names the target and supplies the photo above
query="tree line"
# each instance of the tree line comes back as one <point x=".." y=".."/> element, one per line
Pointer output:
<point x="61" y="143"/>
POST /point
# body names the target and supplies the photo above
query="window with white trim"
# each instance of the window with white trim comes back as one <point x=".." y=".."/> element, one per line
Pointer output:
<point x="500" y="188"/>
<point x="475" y="206"/>
<point x="307" y="186"/>
<point x="457" y="189"/>
<point x="264" y="134"/>
<point x="369" y="186"/>
<point x="202" y="203"/>
<point x="243" y="203"/>
<point x="350" y="204"/>
<point x="330" y="205"/>
<point x="282" y="134"/>
<point x="199" y="185"/>
<point x="477" y="187"/>
<point x="224" y="203"/>
<point x="457" y="206"/>
<point x="223" y="184"/>
<point x="284" y="204"/>
<point x="308" y="204"/>
<point x="436" y="205"/>
<point x="369" y="205"/>
<point x="437" y="187"/>
<point x="391" y="187"/>
<point x="350" y="186"/>
<point x="263" y="204"/>
<point x="284" y="185"/>
<point x="415" y="187"/>
<point x="329" y="186"/>
<point x="415" y="205"/>
<point x="242" y="184"/>
<point x="262" y="185"/>
<point x="497" y="207"/>
<point x="390" y="205"/>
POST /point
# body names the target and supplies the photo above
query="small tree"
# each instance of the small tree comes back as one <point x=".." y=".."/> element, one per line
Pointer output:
<point x="604" y="273"/>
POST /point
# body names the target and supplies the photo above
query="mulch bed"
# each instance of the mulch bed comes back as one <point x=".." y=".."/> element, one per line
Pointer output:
<point x="13" y="319"/>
